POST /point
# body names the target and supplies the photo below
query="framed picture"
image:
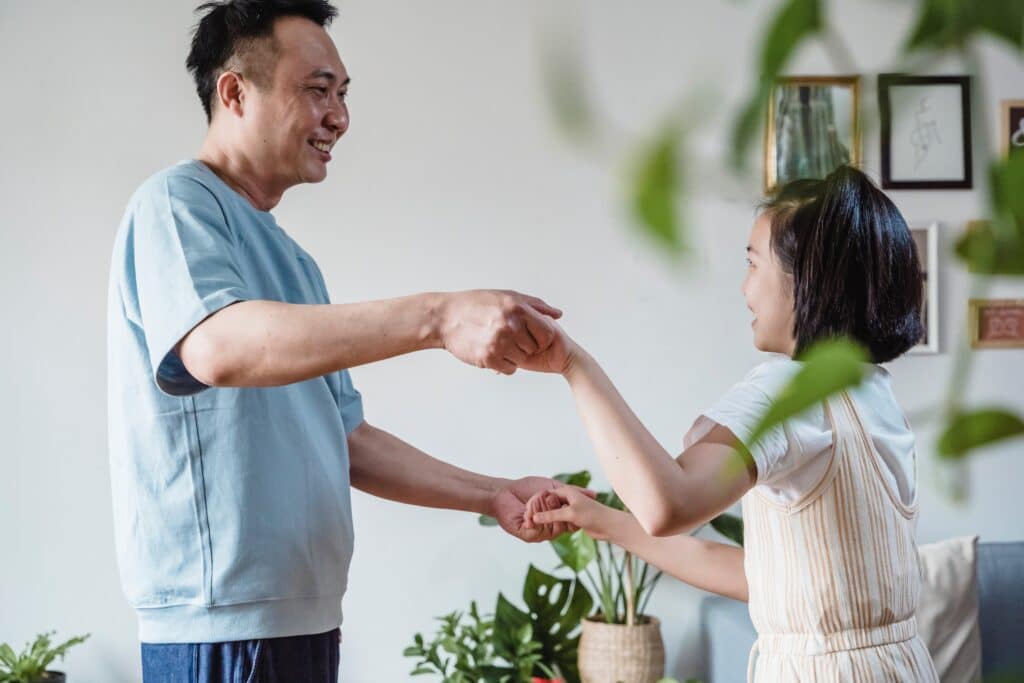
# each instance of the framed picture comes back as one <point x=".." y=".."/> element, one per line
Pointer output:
<point x="812" y="128"/>
<point x="996" y="323"/>
<point x="926" y="132"/>
<point x="926" y="240"/>
<point x="1013" y="126"/>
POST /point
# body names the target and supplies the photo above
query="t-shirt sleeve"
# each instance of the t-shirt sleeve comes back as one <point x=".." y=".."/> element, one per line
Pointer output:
<point x="350" y="404"/>
<point x="740" y="410"/>
<point x="185" y="269"/>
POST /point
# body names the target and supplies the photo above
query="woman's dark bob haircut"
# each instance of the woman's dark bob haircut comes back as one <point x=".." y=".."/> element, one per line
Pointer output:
<point x="856" y="272"/>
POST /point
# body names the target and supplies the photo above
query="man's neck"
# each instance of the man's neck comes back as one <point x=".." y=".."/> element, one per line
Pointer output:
<point x="240" y="175"/>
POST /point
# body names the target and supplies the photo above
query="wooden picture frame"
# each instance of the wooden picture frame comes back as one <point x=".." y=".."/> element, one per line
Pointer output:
<point x="926" y="132"/>
<point x="926" y="241"/>
<point x="1012" y="129"/>
<point x="790" y="104"/>
<point x="996" y="323"/>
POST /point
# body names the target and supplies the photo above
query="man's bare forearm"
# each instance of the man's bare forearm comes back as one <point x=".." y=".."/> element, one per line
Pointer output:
<point x="383" y="465"/>
<point x="270" y="343"/>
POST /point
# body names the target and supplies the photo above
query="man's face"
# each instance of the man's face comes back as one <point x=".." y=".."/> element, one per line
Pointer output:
<point x="290" y="126"/>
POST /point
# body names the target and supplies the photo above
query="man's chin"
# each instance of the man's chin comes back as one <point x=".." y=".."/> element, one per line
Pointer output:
<point x="313" y="175"/>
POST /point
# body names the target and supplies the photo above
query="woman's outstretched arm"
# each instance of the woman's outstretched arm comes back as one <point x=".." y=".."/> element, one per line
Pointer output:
<point x="666" y="495"/>
<point x="710" y="566"/>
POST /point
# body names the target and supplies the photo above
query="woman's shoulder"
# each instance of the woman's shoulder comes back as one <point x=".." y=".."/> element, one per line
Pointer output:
<point x="772" y="374"/>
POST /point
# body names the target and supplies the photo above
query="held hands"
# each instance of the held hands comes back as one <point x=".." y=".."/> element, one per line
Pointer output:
<point x="504" y="331"/>
<point x="510" y="507"/>
<point x="568" y="508"/>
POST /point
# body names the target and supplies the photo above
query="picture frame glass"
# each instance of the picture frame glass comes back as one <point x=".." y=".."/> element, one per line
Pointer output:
<point x="813" y="130"/>
<point x="927" y="132"/>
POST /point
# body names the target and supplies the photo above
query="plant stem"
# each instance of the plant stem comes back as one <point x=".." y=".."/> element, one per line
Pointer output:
<point x="630" y="604"/>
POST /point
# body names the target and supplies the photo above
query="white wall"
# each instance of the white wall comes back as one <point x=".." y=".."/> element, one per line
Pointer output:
<point x="451" y="176"/>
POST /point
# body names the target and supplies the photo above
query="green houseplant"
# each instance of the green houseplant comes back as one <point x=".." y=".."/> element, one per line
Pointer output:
<point x="463" y="651"/>
<point x="618" y="636"/>
<point x="620" y="639"/>
<point x="516" y="645"/>
<point x="30" y="665"/>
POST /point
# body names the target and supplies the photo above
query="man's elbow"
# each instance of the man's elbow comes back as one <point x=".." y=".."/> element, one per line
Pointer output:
<point x="205" y="358"/>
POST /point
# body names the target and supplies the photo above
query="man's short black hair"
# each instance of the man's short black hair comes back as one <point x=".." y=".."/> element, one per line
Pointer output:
<point x="855" y="268"/>
<point x="238" y="34"/>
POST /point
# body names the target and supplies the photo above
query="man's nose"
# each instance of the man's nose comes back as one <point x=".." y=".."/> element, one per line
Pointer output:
<point x="337" y="118"/>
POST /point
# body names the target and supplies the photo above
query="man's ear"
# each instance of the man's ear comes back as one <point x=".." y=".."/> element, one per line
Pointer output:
<point x="231" y="87"/>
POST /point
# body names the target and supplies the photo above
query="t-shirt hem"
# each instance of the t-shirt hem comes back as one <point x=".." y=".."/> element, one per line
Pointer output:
<point x="244" y="621"/>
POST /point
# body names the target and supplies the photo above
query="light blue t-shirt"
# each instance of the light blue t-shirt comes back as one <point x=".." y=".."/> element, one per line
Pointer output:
<point x="232" y="508"/>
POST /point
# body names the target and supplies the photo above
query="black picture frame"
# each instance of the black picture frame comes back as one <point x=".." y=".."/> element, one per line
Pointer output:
<point x="887" y="81"/>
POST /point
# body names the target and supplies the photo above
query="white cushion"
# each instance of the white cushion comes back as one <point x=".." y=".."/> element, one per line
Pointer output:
<point x="947" y="617"/>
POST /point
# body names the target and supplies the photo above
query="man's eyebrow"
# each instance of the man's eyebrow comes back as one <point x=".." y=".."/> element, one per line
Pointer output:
<point x="751" y="250"/>
<point x="329" y="75"/>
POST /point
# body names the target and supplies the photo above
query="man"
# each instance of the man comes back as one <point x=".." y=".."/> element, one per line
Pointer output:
<point x="235" y="430"/>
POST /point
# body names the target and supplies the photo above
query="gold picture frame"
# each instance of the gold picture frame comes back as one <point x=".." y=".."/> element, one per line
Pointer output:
<point x="803" y="85"/>
<point x="1012" y="113"/>
<point x="1003" y="332"/>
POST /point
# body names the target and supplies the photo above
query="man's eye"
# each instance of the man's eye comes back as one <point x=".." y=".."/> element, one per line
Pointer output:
<point x="749" y="263"/>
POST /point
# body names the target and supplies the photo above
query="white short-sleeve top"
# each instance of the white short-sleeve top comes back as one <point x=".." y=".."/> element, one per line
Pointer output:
<point x="791" y="458"/>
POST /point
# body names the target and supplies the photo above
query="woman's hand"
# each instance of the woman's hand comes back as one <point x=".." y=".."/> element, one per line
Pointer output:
<point x="569" y="509"/>
<point x="558" y="357"/>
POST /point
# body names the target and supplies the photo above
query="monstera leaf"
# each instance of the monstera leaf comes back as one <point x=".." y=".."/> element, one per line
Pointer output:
<point x="554" y="609"/>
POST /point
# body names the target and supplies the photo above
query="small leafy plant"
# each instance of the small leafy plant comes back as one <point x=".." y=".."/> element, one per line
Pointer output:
<point x="467" y="649"/>
<point x="30" y="665"/>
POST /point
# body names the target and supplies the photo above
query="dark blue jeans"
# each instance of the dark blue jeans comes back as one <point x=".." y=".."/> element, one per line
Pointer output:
<point x="296" y="659"/>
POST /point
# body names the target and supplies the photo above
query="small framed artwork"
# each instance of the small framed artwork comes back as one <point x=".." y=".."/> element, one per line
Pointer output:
<point x="1013" y="126"/>
<point x="996" y="323"/>
<point x="812" y="128"/>
<point x="926" y="240"/>
<point x="926" y="132"/>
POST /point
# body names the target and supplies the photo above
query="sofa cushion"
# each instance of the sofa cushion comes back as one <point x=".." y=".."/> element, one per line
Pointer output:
<point x="947" y="616"/>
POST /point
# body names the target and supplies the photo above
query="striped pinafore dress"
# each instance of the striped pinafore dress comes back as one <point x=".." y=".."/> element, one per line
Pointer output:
<point x="834" y="577"/>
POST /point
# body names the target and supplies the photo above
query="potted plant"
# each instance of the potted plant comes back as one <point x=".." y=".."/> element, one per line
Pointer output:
<point x="30" y="665"/>
<point x="619" y="641"/>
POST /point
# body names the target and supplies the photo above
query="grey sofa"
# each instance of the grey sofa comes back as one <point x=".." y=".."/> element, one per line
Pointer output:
<point x="728" y="634"/>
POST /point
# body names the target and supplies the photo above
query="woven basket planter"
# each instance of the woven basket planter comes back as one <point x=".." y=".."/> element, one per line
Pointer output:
<point x="610" y="653"/>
